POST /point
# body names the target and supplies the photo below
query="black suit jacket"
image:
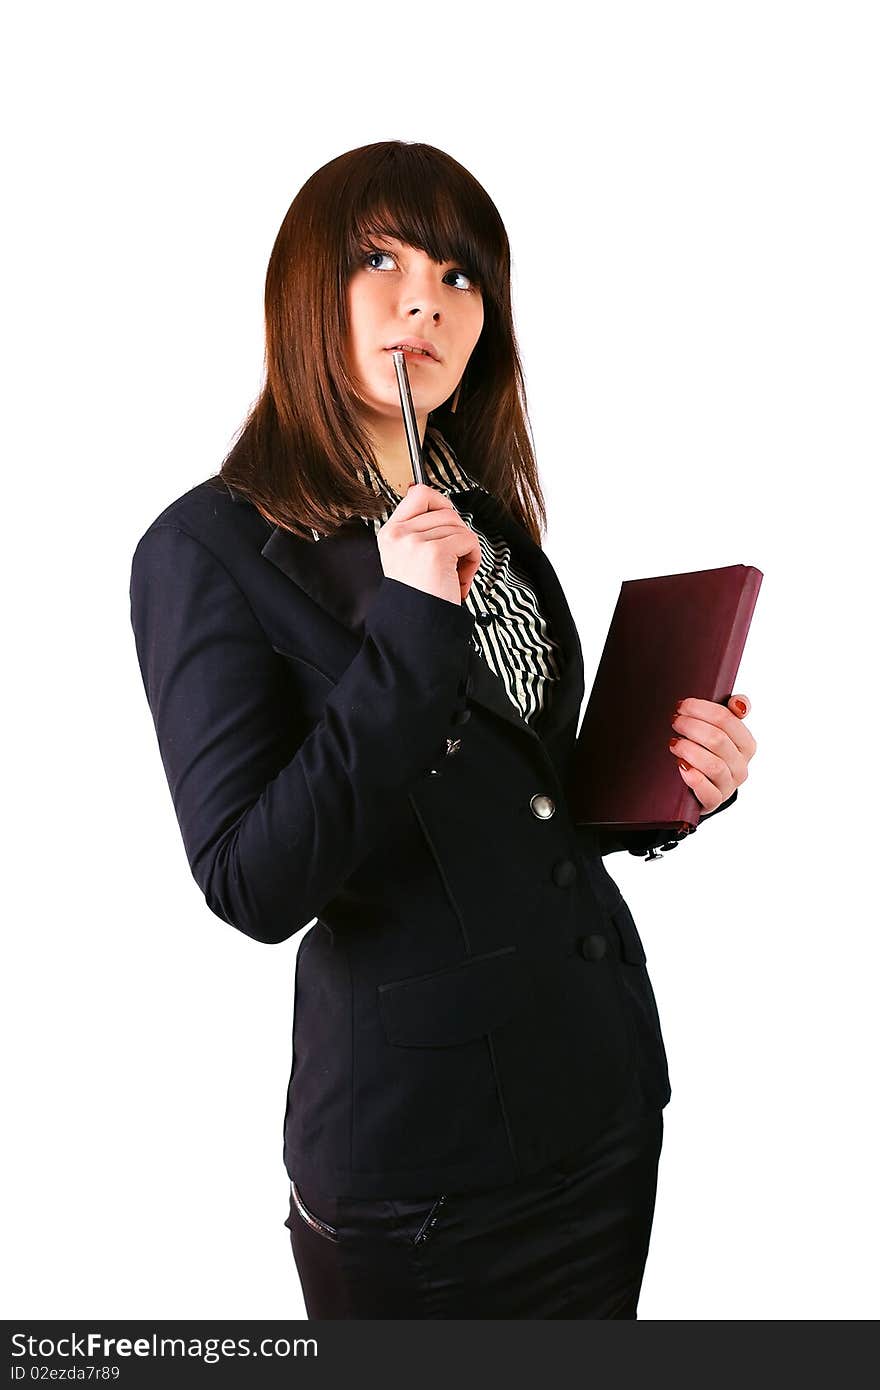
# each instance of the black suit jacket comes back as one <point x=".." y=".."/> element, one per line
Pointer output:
<point x="472" y="1002"/>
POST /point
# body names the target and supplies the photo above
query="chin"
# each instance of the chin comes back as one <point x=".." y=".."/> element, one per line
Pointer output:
<point x="390" y="396"/>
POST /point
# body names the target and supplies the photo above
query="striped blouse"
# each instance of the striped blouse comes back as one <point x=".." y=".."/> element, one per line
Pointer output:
<point x="514" y="640"/>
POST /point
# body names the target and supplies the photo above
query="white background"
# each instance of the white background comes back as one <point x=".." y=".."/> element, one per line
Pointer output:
<point x="691" y="196"/>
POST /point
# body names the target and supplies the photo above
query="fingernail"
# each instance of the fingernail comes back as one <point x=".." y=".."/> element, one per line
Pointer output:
<point x="740" y="707"/>
<point x="682" y="763"/>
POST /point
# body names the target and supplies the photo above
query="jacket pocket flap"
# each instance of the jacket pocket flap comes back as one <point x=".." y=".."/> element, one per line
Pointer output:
<point x="631" y="947"/>
<point x="455" y="1004"/>
<point x="304" y="664"/>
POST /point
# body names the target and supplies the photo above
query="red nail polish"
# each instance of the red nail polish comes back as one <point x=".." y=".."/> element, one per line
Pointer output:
<point x="739" y="707"/>
<point x="686" y="766"/>
<point x="673" y="742"/>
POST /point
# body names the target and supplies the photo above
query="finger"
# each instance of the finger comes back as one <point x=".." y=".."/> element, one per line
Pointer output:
<point x="714" y="742"/>
<point x="704" y="789"/>
<point x="731" y="730"/>
<point x="466" y="545"/>
<point x="433" y="527"/>
<point x="467" y="568"/>
<point x="421" y="497"/>
<point x="740" y="704"/>
<point x="423" y="521"/>
<point x="723" y="776"/>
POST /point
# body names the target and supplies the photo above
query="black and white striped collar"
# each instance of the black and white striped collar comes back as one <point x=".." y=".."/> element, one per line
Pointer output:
<point x="442" y="470"/>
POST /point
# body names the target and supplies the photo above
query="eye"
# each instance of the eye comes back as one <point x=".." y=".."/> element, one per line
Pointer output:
<point x="368" y="256"/>
<point x="369" y="253"/>
<point x="473" y="284"/>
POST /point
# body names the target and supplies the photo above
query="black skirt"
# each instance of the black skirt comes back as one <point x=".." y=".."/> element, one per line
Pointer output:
<point x="568" y="1242"/>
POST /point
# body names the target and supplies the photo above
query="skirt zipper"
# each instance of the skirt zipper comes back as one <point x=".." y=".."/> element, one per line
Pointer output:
<point x="429" y="1222"/>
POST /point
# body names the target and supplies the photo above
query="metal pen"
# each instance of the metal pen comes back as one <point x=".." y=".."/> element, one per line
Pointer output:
<point x="410" y="423"/>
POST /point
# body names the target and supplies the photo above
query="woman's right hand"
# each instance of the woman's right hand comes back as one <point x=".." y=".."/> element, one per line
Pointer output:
<point x="426" y="543"/>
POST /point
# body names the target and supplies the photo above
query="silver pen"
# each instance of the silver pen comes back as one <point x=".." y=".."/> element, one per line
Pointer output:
<point x="410" y="423"/>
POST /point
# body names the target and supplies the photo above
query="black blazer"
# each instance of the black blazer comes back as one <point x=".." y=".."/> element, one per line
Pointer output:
<point x="472" y="1002"/>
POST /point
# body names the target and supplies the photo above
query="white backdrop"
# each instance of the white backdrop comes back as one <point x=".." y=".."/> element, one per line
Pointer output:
<point x="690" y="191"/>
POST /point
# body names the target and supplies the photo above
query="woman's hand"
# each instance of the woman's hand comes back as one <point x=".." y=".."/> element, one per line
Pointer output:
<point x="427" y="543"/>
<point x="713" y="746"/>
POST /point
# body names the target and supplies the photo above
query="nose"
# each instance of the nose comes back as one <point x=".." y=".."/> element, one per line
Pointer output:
<point x="421" y="294"/>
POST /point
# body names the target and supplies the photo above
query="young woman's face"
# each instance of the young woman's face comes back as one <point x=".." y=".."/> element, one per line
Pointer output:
<point x="398" y="292"/>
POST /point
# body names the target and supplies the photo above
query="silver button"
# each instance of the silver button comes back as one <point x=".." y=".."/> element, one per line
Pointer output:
<point x="542" y="806"/>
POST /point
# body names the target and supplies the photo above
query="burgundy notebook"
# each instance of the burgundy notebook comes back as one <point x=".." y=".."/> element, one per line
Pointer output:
<point x="670" y="637"/>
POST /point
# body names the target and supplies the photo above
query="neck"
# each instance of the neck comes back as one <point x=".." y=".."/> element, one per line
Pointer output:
<point x="388" y="438"/>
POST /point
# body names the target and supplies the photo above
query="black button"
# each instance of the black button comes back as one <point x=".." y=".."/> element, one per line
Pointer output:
<point x="593" y="947"/>
<point x="564" y="872"/>
<point x="485" y="618"/>
<point x="461" y="716"/>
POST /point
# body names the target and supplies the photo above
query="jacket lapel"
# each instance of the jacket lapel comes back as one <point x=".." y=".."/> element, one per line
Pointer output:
<point x="342" y="572"/>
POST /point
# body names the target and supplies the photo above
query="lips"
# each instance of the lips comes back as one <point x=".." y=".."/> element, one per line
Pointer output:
<point x="420" y="346"/>
<point x="416" y="357"/>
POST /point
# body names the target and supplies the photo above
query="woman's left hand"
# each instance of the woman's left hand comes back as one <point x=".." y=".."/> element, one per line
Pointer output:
<point x="714" y="747"/>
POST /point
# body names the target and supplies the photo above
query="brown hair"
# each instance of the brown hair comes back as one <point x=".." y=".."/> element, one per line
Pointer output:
<point x="298" y="453"/>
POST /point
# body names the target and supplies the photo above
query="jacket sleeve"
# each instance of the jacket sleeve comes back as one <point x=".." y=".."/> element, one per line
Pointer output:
<point x="602" y="842"/>
<point x="272" y="823"/>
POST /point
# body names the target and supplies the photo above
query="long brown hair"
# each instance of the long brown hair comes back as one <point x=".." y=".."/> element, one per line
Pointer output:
<point x="298" y="453"/>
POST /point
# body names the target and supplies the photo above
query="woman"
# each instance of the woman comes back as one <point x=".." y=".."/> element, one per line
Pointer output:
<point x="366" y="696"/>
